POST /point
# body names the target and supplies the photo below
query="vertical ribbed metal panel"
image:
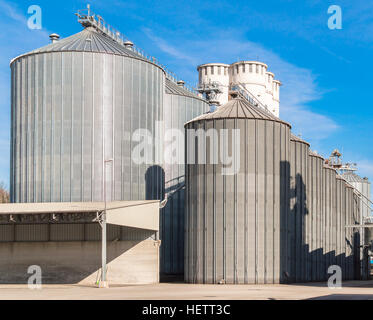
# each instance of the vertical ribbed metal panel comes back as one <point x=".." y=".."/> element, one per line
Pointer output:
<point x="64" y="105"/>
<point x="340" y="212"/>
<point x="326" y="222"/>
<point x="67" y="232"/>
<point x="7" y="232"/>
<point x="299" y="211"/>
<point x="334" y="218"/>
<point x="330" y="218"/>
<point x="357" y="241"/>
<point x="349" y="232"/>
<point x="178" y="109"/>
<point x="233" y="223"/>
<point x="314" y="231"/>
<point x="31" y="232"/>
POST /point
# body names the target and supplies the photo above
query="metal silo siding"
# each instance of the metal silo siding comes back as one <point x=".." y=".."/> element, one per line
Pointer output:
<point x="315" y="201"/>
<point x="63" y="106"/>
<point x="7" y="233"/>
<point x="31" y="232"/>
<point x="349" y="233"/>
<point x="338" y="210"/>
<point x="330" y="218"/>
<point x="325" y="222"/>
<point x="234" y="222"/>
<point x="298" y="214"/>
<point x="67" y="232"/>
<point x="180" y="107"/>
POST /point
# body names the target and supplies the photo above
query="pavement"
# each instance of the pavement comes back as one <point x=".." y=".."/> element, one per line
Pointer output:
<point x="351" y="290"/>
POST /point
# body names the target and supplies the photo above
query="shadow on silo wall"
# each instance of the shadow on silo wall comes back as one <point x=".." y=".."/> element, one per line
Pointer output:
<point x="172" y="230"/>
<point x="356" y="255"/>
<point x="171" y="221"/>
<point x="298" y="264"/>
<point x="154" y="188"/>
<point x="155" y="183"/>
<point x="284" y="215"/>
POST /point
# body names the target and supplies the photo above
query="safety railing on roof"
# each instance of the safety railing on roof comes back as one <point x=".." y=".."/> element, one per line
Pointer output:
<point x="88" y="19"/>
<point x="240" y="88"/>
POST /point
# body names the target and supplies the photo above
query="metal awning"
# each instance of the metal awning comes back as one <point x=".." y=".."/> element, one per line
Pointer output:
<point x="137" y="214"/>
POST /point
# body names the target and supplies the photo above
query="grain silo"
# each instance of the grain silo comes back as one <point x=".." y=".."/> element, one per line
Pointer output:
<point x="252" y="75"/>
<point x="215" y="73"/>
<point x="77" y="103"/>
<point x="315" y="230"/>
<point x="181" y="105"/>
<point x="298" y="220"/>
<point x="340" y="223"/>
<point x="362" y="185"/>
<point x="349" y="243"/>
<point x="329" y="176"/>
<point x="236" y="223"/>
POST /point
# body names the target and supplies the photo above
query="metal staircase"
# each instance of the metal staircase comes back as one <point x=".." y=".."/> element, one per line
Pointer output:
<point x="238" y="89"/>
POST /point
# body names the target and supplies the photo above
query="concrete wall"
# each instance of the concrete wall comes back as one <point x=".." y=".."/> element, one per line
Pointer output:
<point x="129" y="262"/>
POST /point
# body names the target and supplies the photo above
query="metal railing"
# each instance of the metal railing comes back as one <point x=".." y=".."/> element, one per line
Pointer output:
<point x="88" y="19"/>
<point x="240" y="88"/>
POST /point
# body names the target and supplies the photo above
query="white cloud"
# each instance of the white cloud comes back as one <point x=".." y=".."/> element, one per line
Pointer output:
<point x="167" y="48"/>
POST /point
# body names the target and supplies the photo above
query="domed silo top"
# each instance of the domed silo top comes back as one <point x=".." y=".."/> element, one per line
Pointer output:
<point x="298" y="139"/>
<point x="239" y="109"/>
<point x="88" y="40"/>
<point x="353" y="177"/>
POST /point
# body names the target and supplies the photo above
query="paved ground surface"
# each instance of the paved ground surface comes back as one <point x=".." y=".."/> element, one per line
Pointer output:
<point x="172" y="291"/>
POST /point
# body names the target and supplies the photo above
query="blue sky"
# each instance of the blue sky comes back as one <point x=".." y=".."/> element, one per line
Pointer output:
<point x="326" y="74"/>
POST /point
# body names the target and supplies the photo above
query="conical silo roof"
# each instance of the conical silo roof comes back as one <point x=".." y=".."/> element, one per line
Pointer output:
<point x="353" y="177"/>
<point x="239" y="108"/>
<point x="293" y="137"/>
<point x="88" y="40"/>
<point x="315" y="154"/>
<point x="172" y="88"/>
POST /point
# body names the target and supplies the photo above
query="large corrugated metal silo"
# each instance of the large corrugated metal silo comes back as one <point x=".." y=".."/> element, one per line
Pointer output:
<point x="298" y="221"/>
<point x="315" y="207"/>
<point x="362" y="185"/>
<point x="349" y="243"/>
<point x="181" y="105"/>
<point x="330" y="177"/>
<point x="236" y="224"/>
<point x="76" y="103"/>
<point x="341" y="223"/>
